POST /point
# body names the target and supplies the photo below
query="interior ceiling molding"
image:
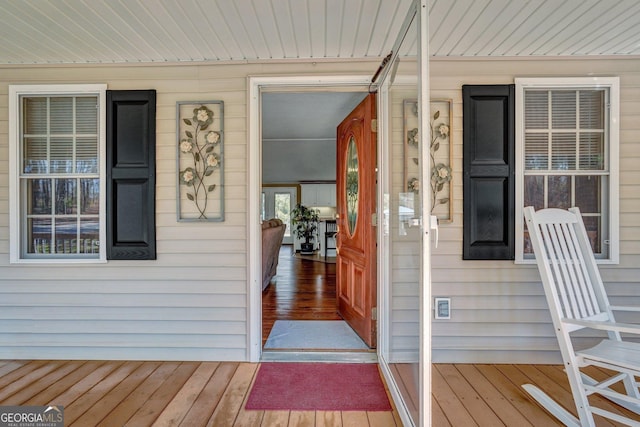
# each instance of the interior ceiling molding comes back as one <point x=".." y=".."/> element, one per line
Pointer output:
<point x="223" y="31"/>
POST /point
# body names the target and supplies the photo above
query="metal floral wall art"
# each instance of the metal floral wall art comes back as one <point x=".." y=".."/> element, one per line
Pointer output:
<point x="439" y="155"/>
<point x="440" y="172"/>
<point x="200" y="161"/>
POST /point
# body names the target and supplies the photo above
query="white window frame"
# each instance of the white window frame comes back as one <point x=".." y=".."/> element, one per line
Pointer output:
<point x="613" y="84"/>
<point x="15" y="215"/>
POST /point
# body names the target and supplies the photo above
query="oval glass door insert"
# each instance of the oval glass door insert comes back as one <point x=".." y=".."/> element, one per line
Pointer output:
<point x="352" y="185"/>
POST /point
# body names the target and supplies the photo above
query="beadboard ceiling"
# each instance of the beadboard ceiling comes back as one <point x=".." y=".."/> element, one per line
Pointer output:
<point x="159" y="31"/>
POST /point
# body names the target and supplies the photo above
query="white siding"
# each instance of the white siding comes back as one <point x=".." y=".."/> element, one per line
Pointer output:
<point x="191" y="303"/>
<point x="499" y="313"/>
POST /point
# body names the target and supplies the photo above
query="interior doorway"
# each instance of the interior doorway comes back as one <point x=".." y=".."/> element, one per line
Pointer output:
<point x="298" y="146"/>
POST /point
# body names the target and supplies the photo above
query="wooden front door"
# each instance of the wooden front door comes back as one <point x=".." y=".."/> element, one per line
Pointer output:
<point x="356" y="206"/>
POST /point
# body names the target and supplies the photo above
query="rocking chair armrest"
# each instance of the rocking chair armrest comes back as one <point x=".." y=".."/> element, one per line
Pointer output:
<point x="624" y="308"/>
<point x="605" y="326"/>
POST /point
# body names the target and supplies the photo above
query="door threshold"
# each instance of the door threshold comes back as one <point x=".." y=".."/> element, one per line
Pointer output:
<point x="319" y="356"/>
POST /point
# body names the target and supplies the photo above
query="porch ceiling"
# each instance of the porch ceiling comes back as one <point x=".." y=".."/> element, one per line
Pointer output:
<point x="140" y="31"/>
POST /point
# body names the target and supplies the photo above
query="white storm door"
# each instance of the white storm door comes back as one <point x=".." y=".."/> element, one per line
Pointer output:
<point x="404" y="234"/>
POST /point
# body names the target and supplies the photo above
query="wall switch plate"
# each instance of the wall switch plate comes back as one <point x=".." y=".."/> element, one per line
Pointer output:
<point x="442" y="308"/>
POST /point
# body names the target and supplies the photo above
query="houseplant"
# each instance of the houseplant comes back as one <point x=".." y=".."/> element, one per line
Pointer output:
<point x="305" y="222"/>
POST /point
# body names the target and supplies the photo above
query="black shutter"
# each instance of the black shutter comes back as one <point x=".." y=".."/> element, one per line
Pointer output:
<point x="131" y="153"/>
<point x="488" y="168"/>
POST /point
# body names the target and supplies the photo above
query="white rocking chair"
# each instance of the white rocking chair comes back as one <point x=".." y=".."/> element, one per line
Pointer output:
<point x="577" y="300"/>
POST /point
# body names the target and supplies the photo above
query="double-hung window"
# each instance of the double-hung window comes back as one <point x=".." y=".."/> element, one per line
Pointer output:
<point x="57" y="173"/>
<point x="567" y="153"/>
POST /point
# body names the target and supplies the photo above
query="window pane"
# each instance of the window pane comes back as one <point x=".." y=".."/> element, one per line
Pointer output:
<point x="591" y="151"/>
<point x="38" y="197"/>
<point x="534" y="191"/>
<point x="87" y="114"/>
<point x="89" y="237"/>
<point x="536" y="105"/>
<point x="592" y="109"/>
<point x="87" y="155"/>
<point x="536" y="151"/>
<point x="39" y="236"/>
<point x="593" y="225"/>
<point x="528" y="247"/>
<point x="89" y="196"/>
<point x="35" y="155"/>
<point x="563" y="107"/>
<point x="563" y="151"/>
<point x="62" y="155"/>
<point x="61" y="115"/>
<point x="66" y="197"/>
<point x="66" y="235"/>
<point x="588" y="197"/>
<point x="35" y="116"/>
<point x="559" y="192"/>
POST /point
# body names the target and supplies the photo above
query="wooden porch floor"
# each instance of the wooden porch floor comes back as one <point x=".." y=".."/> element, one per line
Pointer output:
<point x="118" y="393"/>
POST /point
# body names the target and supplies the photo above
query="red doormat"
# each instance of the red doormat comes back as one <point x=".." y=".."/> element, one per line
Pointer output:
<point x="318" y="387"/>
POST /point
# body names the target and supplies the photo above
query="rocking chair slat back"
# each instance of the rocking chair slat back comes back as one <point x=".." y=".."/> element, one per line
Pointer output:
<point x="559" y="244"/>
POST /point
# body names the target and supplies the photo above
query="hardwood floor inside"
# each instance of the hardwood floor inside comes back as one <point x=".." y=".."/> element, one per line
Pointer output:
<point x="301" y="290"/>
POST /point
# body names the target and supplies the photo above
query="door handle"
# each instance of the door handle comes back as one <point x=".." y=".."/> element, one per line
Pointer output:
<point x="433" y="225"/>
